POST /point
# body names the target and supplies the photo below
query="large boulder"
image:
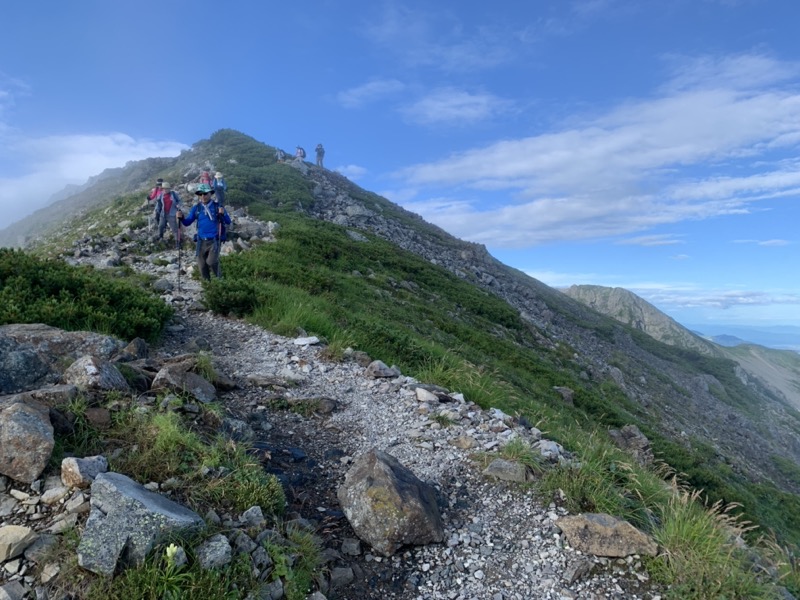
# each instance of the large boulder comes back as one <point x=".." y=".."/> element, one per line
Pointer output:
<point x="605" y="535"/>
<point x="26" y="437"/>
<point x="31" y="354"/>
<point x="387" y="505"/>
<point x="125" y="522"/>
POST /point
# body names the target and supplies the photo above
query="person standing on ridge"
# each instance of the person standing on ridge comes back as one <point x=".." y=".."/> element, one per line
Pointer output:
<point x="300" y="153"/>
<point x="280" y="155"/>
<point x="210" y="218"/>
<point x="220" y="187"/>
<point x="166" y="209"/>
<point x="320" y="154"/>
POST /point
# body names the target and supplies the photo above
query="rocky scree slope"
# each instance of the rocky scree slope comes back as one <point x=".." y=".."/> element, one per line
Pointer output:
<point x="682" y="403"/>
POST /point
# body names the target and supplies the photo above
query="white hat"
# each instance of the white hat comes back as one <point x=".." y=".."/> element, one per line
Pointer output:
<point x="218" y="175"/>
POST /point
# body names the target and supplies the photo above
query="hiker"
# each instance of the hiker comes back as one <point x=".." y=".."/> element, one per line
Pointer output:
<point x="210" y="217"/>
<point x="167" y="206"/>
<point x="280" y="155"/>
<point x="300" y="153"/>
<point x="205" y="177"/>
<point x="219" y="187"/>
<point x="320" y="154"/>
<point x="155" y="191"/>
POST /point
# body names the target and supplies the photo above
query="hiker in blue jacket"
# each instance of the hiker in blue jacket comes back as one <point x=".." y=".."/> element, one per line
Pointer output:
<point x="211" y="218"/>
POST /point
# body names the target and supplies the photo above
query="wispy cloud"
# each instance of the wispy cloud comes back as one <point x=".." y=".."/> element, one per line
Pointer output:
<point x="775" y="242"/>
<point x="647" y="162"/>
<point x="665" y="239"/>
<point x="369" y="92"/>
<point x="436" y="39"/>
<point x="454" y="106"/>
<point x="44" y="165"/>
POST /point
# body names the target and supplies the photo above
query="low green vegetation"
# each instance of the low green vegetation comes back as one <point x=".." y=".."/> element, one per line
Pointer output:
<point x="36" y="290"/>
<point x="206" y="471"/>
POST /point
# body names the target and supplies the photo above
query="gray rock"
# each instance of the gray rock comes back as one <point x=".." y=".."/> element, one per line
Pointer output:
<point x="215" y="552"/>
<point x="387" y="505"/>
<point x="125" y="522"/>
<point x="90" y="373"/>
<point x="14" y="539"/>
<point x="26" y="438"/>
<point x="178" y="378"/>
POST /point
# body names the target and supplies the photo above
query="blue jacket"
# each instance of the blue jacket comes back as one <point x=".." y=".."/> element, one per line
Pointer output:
<point x="206" y="216"/>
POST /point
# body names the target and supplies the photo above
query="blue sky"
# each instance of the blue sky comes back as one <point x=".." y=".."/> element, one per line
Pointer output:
<point x="643" y="144"/>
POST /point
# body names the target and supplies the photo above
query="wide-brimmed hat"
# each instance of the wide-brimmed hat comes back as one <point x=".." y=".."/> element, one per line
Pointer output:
<point x="203" y="188"/>
<point x="218" y="175"/>
<point x="165" y="186"/>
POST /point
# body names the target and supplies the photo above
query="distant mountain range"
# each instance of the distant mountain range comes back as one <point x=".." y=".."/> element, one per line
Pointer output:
<point x="776" y="366"/>
<point x="782" y="338"/>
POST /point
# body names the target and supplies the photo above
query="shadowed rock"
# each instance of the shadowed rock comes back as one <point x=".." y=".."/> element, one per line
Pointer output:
<point x="387" y="505"/>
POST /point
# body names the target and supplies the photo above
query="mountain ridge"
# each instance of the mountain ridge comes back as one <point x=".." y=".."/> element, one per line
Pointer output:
<point x="700" y="404"/>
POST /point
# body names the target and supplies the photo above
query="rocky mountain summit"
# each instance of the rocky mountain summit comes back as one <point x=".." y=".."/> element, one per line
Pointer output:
<point x="476" y="529"/>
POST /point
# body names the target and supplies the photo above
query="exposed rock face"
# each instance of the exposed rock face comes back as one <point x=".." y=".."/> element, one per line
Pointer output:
<point x="387" y="505"/>
<point x="628" y="308"/>
<point x="604" y="535"/>
<point x="126" y="520"/>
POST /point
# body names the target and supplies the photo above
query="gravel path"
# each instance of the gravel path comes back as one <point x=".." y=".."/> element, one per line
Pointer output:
<point x="500" y="539"/>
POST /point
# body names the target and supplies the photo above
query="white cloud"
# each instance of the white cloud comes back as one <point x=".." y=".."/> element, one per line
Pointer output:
<point x="369" y="92"/>
<point x="351" y="171"/>
<point x="44" y="165"/>
<point x="453" y="106"/>
<point x="647" y="162"/>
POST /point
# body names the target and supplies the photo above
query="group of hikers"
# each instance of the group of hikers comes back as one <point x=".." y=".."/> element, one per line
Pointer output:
<point x="209" y="213"/>
<point x="300" y="154"/>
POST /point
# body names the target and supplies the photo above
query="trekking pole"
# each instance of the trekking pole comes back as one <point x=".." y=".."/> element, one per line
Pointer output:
<point x="219" y="243"/>
<point x="180" y="251"/>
